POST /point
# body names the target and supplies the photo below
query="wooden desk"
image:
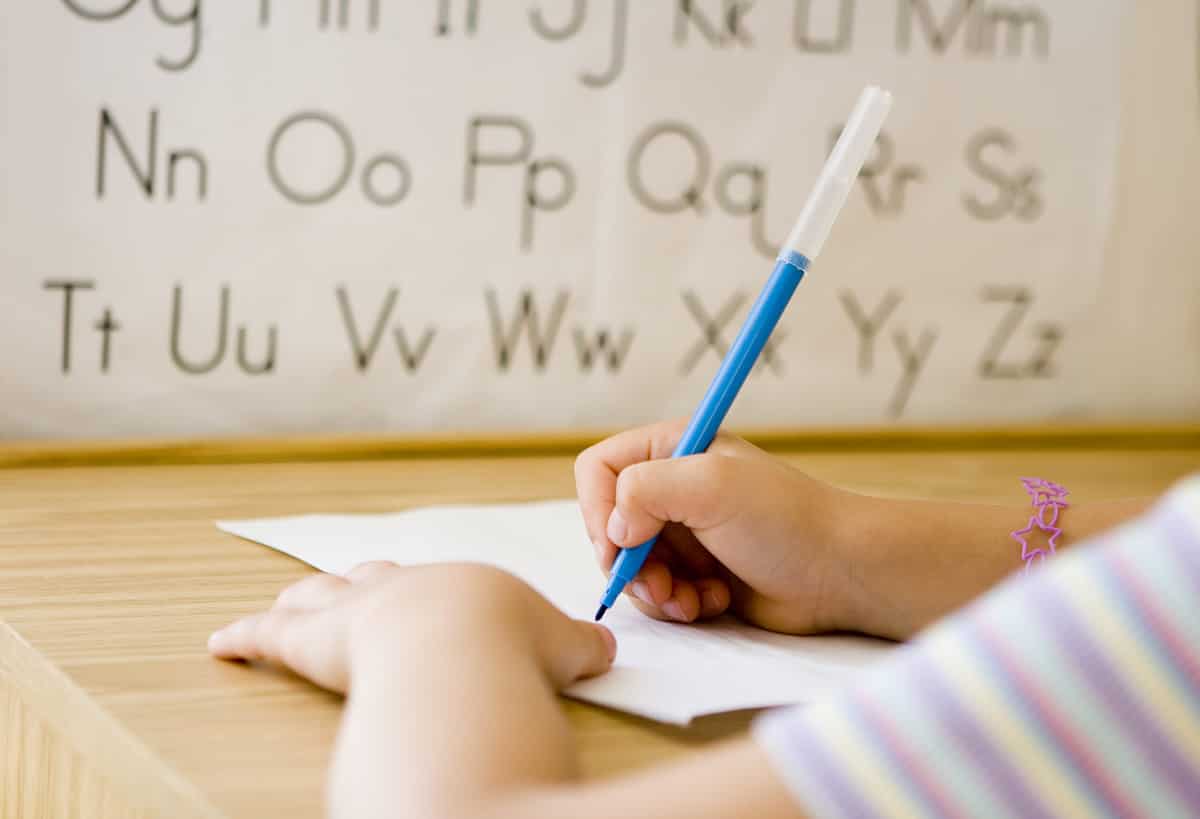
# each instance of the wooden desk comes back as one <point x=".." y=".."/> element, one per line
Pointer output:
<point x="112" y="577"/>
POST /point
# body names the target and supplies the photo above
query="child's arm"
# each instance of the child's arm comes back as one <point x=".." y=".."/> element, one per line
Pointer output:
<point x="921" y="560"/>
<point x="481" y="734"/>
<point x="451" y="673"/>
<point x="1071" y="692"/>
<point x="747" y="532"/>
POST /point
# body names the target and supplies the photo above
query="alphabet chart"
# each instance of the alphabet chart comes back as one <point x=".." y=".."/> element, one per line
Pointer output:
<point x="382" y="216"/>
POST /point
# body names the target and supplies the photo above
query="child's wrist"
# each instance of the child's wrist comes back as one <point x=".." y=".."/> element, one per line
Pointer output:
<point x="868" y="536"/>
<point x="850" y="513"/>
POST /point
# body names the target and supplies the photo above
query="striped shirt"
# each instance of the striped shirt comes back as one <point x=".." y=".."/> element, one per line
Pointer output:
<point x="1070" y="691"/>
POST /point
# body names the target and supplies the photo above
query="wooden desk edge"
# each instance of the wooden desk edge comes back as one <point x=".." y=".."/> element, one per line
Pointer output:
<point x="47" y="711"/>
<point x="40" y="454"/>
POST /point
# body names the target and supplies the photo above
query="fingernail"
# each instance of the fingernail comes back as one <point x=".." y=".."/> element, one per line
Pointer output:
<point x="215" y="639"/>
<point x="711" y="601"/>
<point x="672" y="609"/>
<point x="610" y="643"/>
<point x="617" y="527"/>
<point x="642" y="592"/>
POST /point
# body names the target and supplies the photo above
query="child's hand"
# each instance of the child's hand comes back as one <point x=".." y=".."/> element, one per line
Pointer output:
<point x="743" y="531"/>
<point x="325" y="626"/>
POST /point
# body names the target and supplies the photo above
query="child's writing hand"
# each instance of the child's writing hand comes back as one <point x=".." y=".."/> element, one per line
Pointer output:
<point x="743" y="531"/>
<point x="326" y="626"/>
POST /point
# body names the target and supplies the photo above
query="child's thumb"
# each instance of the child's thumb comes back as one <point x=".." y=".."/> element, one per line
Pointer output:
<point x="651" y="494"/>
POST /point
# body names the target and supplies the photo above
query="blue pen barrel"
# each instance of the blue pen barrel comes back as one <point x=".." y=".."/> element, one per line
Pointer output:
<point x="742" y="357"/>
<point x="735" y="368"/>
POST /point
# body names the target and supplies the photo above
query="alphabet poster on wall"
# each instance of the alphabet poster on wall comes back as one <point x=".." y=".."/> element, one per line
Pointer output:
<point x="383" y="216"/>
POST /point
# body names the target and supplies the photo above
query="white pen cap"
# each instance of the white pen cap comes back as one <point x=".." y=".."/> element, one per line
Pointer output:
<point x="837" y="178"/>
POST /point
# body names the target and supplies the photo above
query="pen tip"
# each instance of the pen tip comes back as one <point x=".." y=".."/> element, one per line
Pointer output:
<point x="600" y="612"/>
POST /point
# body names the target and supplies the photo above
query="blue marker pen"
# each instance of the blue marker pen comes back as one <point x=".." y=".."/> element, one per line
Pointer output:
<point x="802" y="247"/>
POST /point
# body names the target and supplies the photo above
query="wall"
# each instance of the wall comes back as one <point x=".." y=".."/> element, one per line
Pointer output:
<point x="363" y="215"/>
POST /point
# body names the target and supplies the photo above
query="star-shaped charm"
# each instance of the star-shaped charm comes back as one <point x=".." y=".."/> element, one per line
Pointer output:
<point x="1021" y="536"/>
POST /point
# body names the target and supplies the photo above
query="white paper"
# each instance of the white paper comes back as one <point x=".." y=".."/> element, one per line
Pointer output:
<point x="666" y="672"/>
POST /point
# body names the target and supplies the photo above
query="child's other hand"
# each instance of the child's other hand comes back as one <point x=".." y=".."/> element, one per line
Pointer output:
<point x="325" y="626"/>
<point x="741" y="531"/>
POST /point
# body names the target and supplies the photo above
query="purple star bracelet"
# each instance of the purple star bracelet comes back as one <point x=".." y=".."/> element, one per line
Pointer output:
<point x="1049" y="499"/>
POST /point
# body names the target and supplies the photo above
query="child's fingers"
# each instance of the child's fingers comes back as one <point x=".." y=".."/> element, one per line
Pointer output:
<point x="697" y="491"/>
<point x="605" y="553"/>
<point x="632" y="446"/>
<point x="231" y="642"/>
<point x="310" y="643"/>
<point x="680" y="605"/>
<point x="596" y="471"/>
<point x="598" y="468"/>
<point x="372" y="571"/>
<point x="683" y="606"/>
<point x="313" y="592"/>
<point x="597" y="649"/>
<point x="714" y="597"/>
<point x="690" y="600"/>
<point x="653" y="583"/>
<point x="583" y="649"/>
<point x="678" y="547"/>
<point x="257" y="637"/>
<point x="659" y="581"/>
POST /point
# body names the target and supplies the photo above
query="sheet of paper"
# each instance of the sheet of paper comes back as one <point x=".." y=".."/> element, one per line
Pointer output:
<point x="666" y="672"/>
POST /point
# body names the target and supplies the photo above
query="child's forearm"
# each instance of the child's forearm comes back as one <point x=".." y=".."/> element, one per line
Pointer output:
<point x="445" y="723"/>
<point x="463" y="725"/>
<point x="433" y="733"/>
<point x="920" y="560"/>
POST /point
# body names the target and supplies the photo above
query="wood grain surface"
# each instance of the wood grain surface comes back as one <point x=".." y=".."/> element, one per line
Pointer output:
<point x="112" y="577"/>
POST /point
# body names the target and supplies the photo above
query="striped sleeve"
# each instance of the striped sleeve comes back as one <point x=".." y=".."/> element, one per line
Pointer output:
<point x="1071" y="691"/>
